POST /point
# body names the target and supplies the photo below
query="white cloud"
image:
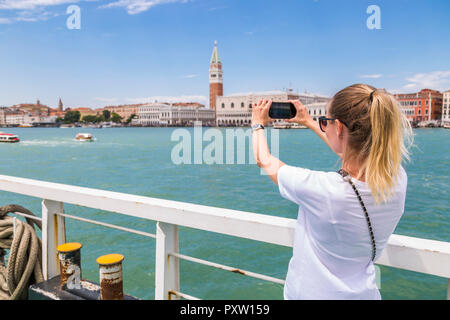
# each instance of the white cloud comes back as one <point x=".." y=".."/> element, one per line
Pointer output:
<point x="190" y="76"/>
<point x="5" y="21"/>
<point x="31" y="10"/>
<point x="438" y="80"/>
<point x="37" y="6"/>
<point x="34" y="15"/>
<point x="30" y="4"/>
<point x="138" y="6"/>
<point x="371" y="76"/>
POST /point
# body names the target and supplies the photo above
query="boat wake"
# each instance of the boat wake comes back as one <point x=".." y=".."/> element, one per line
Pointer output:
<point x="50" y="143"/>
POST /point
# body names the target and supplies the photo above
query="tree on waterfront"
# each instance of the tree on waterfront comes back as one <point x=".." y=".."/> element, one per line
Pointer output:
<point x="116" y="118"/>
<point x="72" y="116"/>
<point x="91" y="118"/>
<point x="106" y="115"/>
<point x="130" y="118"/>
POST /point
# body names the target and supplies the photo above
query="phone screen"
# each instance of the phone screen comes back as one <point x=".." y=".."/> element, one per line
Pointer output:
<point x="282" y="110"/>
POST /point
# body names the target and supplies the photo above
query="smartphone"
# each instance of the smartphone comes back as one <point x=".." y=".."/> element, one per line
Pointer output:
<point x="282" y="110"/>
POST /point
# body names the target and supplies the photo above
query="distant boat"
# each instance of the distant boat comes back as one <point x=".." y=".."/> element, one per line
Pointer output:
<point x="287" y="125"/>
<point x="92" y="126"/>
<point x="25" y="126"/>
<point x="84" y="137"/>
<point x="8" y="137"/>
<point x="447" y="126"/>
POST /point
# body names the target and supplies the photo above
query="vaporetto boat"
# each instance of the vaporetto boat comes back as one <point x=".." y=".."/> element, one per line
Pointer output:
<point x="83" y="137"/>
<point x="8" y="137"/>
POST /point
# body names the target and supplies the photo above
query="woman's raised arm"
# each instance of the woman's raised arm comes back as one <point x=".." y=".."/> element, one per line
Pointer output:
<point x="264" y="160"/>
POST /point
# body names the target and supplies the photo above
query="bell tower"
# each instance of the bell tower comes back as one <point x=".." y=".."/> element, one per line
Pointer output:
<point x="215" y="79"/>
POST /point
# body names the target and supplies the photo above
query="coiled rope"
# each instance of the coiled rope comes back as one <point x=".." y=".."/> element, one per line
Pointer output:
<point x="25" y="254"/>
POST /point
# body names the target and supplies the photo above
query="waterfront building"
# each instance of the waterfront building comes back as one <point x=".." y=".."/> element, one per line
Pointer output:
<point x="48" y="120"/>
<point x="125" y="111"/>
<point x="317" y="109"/>
<point x="56" y="113"/>
<point x="446" y="106"/>
<point x="215" y="79"/>
<point x="37" y="108"/>
<point x="149" y="114"/>
<point x="177" y="114"/>
<point x="236" y="109"/>
<point x="425" y="105"/>
<point x="83" y="111"/>
<point x="30" y="119"/>
<point x="186" y="115"/>
<point x="3" y="111"/>
<point x="14" y="117"/>
<point x="19" y="117"/>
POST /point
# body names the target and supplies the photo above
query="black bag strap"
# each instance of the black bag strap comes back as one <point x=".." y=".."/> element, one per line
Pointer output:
<point x="347" y="177"/>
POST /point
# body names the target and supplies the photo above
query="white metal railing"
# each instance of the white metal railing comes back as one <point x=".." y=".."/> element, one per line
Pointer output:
<point x="409" y="253"/>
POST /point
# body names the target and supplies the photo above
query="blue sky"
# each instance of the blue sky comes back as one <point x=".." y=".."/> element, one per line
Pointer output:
<point x="129" y="51"/>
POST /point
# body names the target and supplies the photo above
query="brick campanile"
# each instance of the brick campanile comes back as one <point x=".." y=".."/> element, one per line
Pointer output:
<point x="215" y="79"/>
<point x="60" y="105"/>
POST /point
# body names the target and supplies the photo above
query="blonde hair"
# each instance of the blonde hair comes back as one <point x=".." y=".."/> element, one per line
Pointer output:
<point x="378" y="132"/>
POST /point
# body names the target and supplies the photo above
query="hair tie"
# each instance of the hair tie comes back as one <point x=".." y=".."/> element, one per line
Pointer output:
<point x="371" y="95"/>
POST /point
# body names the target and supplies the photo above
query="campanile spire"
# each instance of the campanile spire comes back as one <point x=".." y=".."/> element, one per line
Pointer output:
<point x="215" y="78"/>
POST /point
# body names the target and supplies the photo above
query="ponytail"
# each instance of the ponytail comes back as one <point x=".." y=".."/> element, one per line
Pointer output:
<point x="378" y="131"/>
<point x="387" y="148"/>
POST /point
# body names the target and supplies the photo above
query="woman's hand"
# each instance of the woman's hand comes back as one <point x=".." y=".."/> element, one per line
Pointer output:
<point x="302" y="117"/>
<point x="260" y="112"/>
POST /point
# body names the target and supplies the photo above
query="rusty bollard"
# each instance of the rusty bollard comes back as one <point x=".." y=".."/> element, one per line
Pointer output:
<point x="70" y="264"/>
<point x="111" y="285"/>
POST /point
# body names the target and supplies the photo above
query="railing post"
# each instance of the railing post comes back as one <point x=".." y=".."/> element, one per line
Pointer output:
<point x="448" y="290"/>
<point x="53" y="234"/>
<point x="167" y="268"/>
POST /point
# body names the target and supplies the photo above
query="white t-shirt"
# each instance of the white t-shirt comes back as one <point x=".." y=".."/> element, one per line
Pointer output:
<point x="332" y="246"/>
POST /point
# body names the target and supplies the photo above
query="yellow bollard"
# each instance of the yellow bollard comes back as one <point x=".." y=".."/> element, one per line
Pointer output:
<point x="111" y="284"/>
<point x="69" y="255"/>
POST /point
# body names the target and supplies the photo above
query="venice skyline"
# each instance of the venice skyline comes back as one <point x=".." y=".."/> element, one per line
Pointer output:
<point x="126" y="53"/>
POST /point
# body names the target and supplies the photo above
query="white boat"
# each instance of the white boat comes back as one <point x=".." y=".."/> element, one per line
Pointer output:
<point x="288" y="125"/>
<point x="84" y="137"/>
<point x="8" y="137"/>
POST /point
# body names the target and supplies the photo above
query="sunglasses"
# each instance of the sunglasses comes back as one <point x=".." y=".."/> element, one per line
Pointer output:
<point x="323" y="122"/>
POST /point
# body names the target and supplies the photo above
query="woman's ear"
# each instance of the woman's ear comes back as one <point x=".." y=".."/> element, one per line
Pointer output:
<point x="340" y="129"/>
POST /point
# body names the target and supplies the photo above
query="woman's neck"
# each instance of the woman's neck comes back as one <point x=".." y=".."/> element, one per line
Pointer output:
<point x="353" y="169"/>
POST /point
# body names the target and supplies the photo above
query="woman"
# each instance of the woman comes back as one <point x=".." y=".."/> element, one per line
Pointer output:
<point x="345" y="218"/>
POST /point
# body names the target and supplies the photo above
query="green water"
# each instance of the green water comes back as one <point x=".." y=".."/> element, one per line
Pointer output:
<point x="138" y="161"/>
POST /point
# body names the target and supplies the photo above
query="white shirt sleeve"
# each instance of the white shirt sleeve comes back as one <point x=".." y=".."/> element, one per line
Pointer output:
<point x="311" y="190"/>
<point x="305" y="187"/>
<point x="289" y="179"/>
